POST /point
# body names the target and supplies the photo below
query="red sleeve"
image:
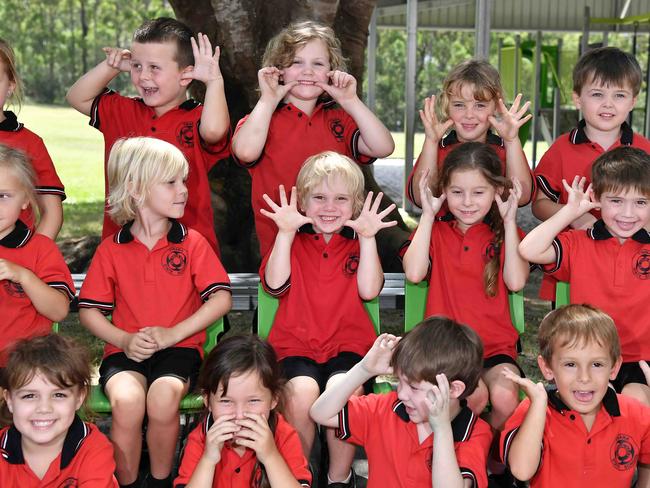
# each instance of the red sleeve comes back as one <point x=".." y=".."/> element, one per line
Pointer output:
<point x="191" y="455"/>
<point x="47" y="180"/>
<point x="290" y="448"/>
<point x="52" y="269"/>
<point x="639" y="415"/>
<point x="360" y="414"/>
<point x="98" y="464"/>
<point x="548" y="174"/>
<point x="98" y="290"/>
<point x="234" y="157"/>
<point x="352" y="135"/>
<point x="510" y="429"/>
<point x="274" y="292"/>
<point x="471" y="455"/>
<point x="563" y="244"/>
<point x="208" y="274"/>
<point x="212" y="152"/>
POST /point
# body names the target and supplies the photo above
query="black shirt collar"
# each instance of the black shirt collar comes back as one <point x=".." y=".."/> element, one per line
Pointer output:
<point x="579" y="136"/>
<point x="10" y="123"/>
<point x="461" y="426"/>
<point x="177" y="233"/>
<point x="610" y="402"/>
<point x="17" y="237"/>
<point x="600" y="233"/>
<point x="346" y="231"/>
<point x="452" y="138"/>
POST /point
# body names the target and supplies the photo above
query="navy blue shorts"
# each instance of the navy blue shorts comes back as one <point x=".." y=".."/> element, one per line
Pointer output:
<point x="293" y="366"/>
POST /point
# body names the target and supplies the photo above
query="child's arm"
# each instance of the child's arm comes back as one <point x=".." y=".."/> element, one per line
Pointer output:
<point x="537" y="246"/>
<point x="370" y="276"/>
<point x="82" y="94"/>
<point x="326" y="408"/>
<point x="515" y="268"/>
<point x="48" y="301"/>
<point x="544" y="208"/>
<point x="508" y="123"/>
<point x="525" y="450"/>
<point x="416" y="258"/>
<point x="427" y="163"/>
<point x="249" y="140"/>
<point x="288" y="220"/>
<point x="643" y="480"/>
<point x="214" y="118"/>
<point x="375" y="139"/>
<point x="51" y="215"/>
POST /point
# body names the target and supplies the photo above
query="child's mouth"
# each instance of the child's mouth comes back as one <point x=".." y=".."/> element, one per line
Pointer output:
<point x="149" y="91"/>
<point x="627" y="226"/>
<point x="583" y="396"/>
<point x="42" y="424"/>
<point x="306" y="82"/>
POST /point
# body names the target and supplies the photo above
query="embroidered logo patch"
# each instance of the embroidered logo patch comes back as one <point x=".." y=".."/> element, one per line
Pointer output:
<point x="337" y="129"/>
<point x="491" y="250"/>
<point x="351" y="264"/>
<point x="185" y="136"/>
<point x="641" y="264"/>
<point x="14" y="289"/>
<point x="174" y="260"/>
<point x="623" y="453"/>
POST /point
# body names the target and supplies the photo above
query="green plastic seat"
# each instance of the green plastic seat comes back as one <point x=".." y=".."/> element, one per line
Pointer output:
<point x="562" y="294"/>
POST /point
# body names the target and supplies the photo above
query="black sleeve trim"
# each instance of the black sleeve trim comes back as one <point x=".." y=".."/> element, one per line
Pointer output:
<point x="343" y="430"/>
<point x="545" y="186"/>
<point x="63" y="286"/>
<point x="104" y="307"/>
<point x="276" y="292"/>
<point x="51" y="190"/>
<point x="468" y="474"/>
<point x="94" y="109"/>
<point x="557" y="245"/>
<point x="354" y="148"/>
<point x="214" y="287"/>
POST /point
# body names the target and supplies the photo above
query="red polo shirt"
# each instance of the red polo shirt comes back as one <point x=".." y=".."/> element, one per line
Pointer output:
<point x="85" y="460"/>
<point x="14" y="134"/>
<point x="293" y="136"/>
<point x="396" y="458"/>
<point x="456" y="288"/>
<point x="158" y="287"/>
<point x="612" y="276"/>
<point x="235" y="471"/>
<point x="605" y="456"/>
<point x="40" y="255"/>
<point x="116" y="117"/>
<point x="320" y="313"/>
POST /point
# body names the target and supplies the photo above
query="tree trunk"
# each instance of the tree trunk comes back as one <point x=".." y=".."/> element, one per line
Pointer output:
<point x="242" y="28"/>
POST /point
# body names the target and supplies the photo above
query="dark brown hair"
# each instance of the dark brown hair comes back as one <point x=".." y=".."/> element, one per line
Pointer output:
<point x="607" y="66"/>
<point x="166" y="29"/>
<point x="621" y="169"/>
<point x="440" y="345"/>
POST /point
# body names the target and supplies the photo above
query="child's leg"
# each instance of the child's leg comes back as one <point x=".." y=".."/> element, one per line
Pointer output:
<point x="302" y="392"/>
<point x="126" y="391"/>
<point x="504" y="394"/>
<point x="637" y="390"/>
<point x="631" y="381"/>
<point x="479" y="398"/>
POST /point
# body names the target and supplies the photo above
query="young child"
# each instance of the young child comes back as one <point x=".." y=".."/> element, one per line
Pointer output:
<point x="607" y="265"/>
<point x="308" y="104"/>
<point x="49" y="189"/>
<point x="424" y="433"/>
<point x="580" y="433"/>
<point x="163" y="285"/>
<point x="322" y="266"/>
<point x="163" y="61"/>
<point x="606" y="83"/>
<point x="35" y="284"/>
<point x="471" y="102"/>
<point x="470" y="259"/>
<point x="243" y="440"/>
<point x="48" y="379"/>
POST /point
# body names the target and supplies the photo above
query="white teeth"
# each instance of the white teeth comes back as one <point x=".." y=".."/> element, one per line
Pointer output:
<point x="42" y="423"/>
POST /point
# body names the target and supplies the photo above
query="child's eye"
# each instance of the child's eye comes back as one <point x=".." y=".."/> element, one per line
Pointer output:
<point x="458" y="105"/>
<point x="569" y="364"/>
<point x="598" y="364"/>
<point x="479" y="192"/>
<point x="60" y="395"/>
<point x="27" y="396"/>
<point x="254" y="400"/>
<point x="481" y="105"/>
<point x="136" y="65"/>
<point x="224" y="401"/>
<point x="597" y="94"/>
<point x="642" y="203"/>
<point x="343" y="199"/>
<point x="5" y="195"/>
<point x="615" y="201"/>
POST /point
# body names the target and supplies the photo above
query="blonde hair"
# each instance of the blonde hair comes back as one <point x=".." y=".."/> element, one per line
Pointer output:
<point x="282" y="48"/>
<point x="576" y="325"/>
<point x="8" y="60"/>
<point x="325" y="167"/>
<point x="19" y="164"/>
<point x="134" y="166"/>
<point x="480" y="75"/>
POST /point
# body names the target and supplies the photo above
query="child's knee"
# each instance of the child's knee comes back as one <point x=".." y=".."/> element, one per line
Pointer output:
<point x="479" y="398"/>
<point x="302" y="393"/>
<point x="164" y="397"/>
<point x="638" y="391"/>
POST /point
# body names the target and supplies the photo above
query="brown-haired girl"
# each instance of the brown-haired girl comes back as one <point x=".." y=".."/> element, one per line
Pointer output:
<point x="243" y="441"/>
<point x="470" y="260"/>
<point x="47" y="380"/>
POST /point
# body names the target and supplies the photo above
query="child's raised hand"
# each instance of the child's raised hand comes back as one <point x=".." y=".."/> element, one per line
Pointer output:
<point x="118" y="58"/>
<point x="436" y="403"/>
<point x="342" y="87"/>
<point x="285" y="215"/>
<point x="433" y="128"/>
<point x="11" y="271"/>
<point x="377" y="359"/>
<point x="430" y="205"/>
<point x="270" y="86"/>
<point x="508" y="121"/>
<point x="579" y="198"/>
<point x="508" y="207"/>
<point x="256" y="434"/>
<point x="163" y="337"/>
<point x="139" y="346"/>
<point x="534" y="391"/>
<point x="223" y="429"/>
<point x="370" y="220"/>
<point x="206" y="64"/>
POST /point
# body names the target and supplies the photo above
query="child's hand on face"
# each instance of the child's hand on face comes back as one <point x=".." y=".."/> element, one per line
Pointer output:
<point x="377" y="359"/>
<point x="342" y="87"/>
<point x="163" y="337"/>
<point x="285" y="215"/>
<point x="430" y="205"/>
<point x="508" y="121"/>
<point x="118" y="58"/>
<point x="435" y="407"/>
<point x="223" y="430"/>
<point x="270" y="86"/>
<point x="256" y="435"/>
<point x="139" y="346"/>
<point x="206" y="64"/>
<point x="11" y="271"/>
<point x="433" y="128"/>
<point x="579" y="199"/>
<point x="508" y="207"/>
<point x="534" y="391"/>
<point x="370" y="220"/>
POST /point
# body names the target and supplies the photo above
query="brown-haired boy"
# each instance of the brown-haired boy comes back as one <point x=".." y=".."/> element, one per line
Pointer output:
<point x="424" y="433"/>
<point x="609" y="264"/>
<point x="163" y="60"/>
<point x="581" y="433"/>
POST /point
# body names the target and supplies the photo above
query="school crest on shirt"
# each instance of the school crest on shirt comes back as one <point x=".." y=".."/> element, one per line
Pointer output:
<point x="174" y="260"/>
<point x="185" y="136"/>
<point x="490" y="250"/>
<point x="337" y="129"/>
<point x="351" y="264"/>
<point x="69" y="483"/>
<point x="623" y="453"/>
<point x="14" y="289"/>
<point x="641" y="264"/>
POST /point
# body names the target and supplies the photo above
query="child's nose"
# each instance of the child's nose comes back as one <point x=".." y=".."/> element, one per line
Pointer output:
<point x="44" y="405"/>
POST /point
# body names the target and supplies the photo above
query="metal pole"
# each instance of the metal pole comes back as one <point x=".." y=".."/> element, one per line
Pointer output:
<point x="538" y="75"/>
<point x="557" y="99"/>
<point x="635" y="39"/>
<point x="499" y="47"/>
<point x="409" y="122"/>
<point x="372" y="61"/>
<point x="482" y="29"/>
<point x="584" y="42"/>
<point x="646" y="125"/>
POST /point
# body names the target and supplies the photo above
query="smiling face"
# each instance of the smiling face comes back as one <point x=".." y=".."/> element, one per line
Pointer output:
<point x="43" y="412"/>
<point x="604" y="107"/>
<point x="330" y="204"/>
<point x="310" y="64"/>
<point x="157" y="76"/>
<point x="167" y="199"/>
<point x="13" y="200"/>
<point x="469" y="197"/>
<point x="470" y="116"/>
<point x="624" y="212"/>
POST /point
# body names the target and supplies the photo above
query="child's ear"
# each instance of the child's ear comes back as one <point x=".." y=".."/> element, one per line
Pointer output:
<point x="7" y="396"/>
<point x="81" y="396"/>
<point x="206" y="401"/>
<point x="545" y="368"/>
<point x="576" y="100"/>
<point x="186" y="81"/>
<point x="616" y="368"/>
<point x="456" y="389"/>
<point x="274" y="402"/>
